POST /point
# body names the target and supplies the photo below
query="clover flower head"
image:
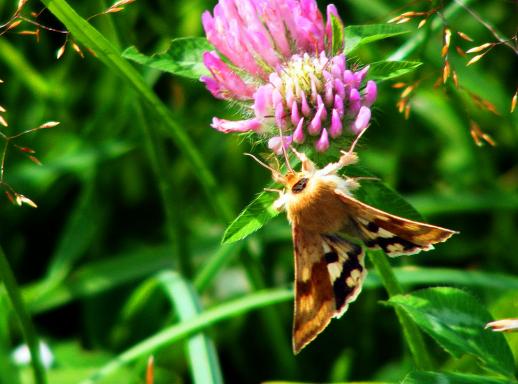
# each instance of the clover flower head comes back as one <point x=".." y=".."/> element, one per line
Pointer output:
<point x="276" y="55"/>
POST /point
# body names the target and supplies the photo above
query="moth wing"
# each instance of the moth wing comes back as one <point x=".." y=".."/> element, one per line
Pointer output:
<point x="329" y="273"/>
<point x="395" y="235"/>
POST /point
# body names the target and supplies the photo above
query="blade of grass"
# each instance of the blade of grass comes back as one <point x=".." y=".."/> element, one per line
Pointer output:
<point x="200" y="348"/>
<point x="184" y="329"/>
<point x="111" y="57"/>
<point x="29" y="333"/>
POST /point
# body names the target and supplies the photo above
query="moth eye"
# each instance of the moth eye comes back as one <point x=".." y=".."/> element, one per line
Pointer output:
<point x="299" y="185"/>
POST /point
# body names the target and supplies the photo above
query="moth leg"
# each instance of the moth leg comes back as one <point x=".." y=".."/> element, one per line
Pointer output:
<point x="307" y="165"/>
<point x="346" y="159"/>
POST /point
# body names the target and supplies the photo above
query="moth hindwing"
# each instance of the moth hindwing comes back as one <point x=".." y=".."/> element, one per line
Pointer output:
<point x="329" y="272"/>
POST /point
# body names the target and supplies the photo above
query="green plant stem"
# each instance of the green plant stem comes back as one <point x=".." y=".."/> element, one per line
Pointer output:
<point x="110" y="55"/>
<point x="7" y="276"/>
<point x="413" y="336"/>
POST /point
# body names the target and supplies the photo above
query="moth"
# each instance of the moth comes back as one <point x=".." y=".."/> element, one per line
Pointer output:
<point x="328" y="226"/>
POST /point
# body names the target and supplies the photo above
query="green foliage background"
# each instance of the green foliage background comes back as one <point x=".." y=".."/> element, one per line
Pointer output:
<point x="125" y="245"/>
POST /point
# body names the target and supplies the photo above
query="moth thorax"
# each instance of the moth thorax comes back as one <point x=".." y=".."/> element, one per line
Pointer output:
<point x="316" y="206"/>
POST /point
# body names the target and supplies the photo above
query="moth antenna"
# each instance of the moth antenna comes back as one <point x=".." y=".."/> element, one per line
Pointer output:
<point x="284" y="152"/>
<point x="273" y="171"/>
<point x="373" y="178"/>
<point x="272" y="190"/>
<point x="356" y="140"/>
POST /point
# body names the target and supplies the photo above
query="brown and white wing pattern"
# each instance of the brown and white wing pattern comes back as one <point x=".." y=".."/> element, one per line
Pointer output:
<point x="329" y="273"/>
<point x="393" y="234"/>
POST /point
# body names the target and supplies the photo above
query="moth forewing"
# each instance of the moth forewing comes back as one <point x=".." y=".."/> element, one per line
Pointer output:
<point x="393" y="234"/>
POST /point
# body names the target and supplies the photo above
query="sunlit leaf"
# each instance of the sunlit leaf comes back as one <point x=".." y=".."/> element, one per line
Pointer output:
<point x="385" y="70"/>
<point x="358" y="35"/>
<point x="337" y="44"/>
<point x="252" y="218"/>
<point x="184" y="57"/>
<point x="456" y="320"/>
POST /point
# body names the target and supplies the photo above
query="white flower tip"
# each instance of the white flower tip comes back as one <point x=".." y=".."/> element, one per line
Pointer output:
<point x="504" y="325"/>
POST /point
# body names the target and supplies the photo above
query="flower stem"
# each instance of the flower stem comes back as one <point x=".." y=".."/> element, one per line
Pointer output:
<point x="6" y="275"/>
<point x="413" y="336"/>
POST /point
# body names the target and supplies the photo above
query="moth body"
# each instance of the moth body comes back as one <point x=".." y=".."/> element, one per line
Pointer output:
<point x="317" y="207"/>
<point x="329" y="268"/>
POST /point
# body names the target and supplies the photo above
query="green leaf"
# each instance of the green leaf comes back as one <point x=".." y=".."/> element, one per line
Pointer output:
<point x="450" y="378"/>
<point x="252" y="218"/>
<point x="358" y="35"/>
<point x="184" y="57"/>
<point x="337" y="28"/>
<point x="385" y="70"/>
<point x="455" y="319"/>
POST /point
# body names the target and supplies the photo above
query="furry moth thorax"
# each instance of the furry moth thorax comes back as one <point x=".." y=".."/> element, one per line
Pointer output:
<point x="328" y="227"/>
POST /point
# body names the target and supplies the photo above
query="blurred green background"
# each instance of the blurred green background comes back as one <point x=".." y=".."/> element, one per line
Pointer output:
<point x="92" y="259"/>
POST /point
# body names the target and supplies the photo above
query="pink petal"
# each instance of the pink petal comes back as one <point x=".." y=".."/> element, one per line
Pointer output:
<point x="359" y="76"/>
<point x="323" y="143"/>
<point x="228" y="126"/>
<point x="304" y="106"/>
<point x="315" y="125"/>
<point x="338" y="65"/>
<point x="298" y="135"/>
<point x="371" y="92"/>
<point x="263" y="101"/>
<point x="336" y="124"/>
<point x="339" y="105"/>
<point x="295" y="116"/>
<point x="339" y="88"/>
<point x="280" y="116"/>
<point x="348" y="77"/>
<point x="321" y="108"/>
<point x="230" y="84"/>
<point x="354" y="101"/>
<point x="362" y="120"/>
<point x="276" y="144"/>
